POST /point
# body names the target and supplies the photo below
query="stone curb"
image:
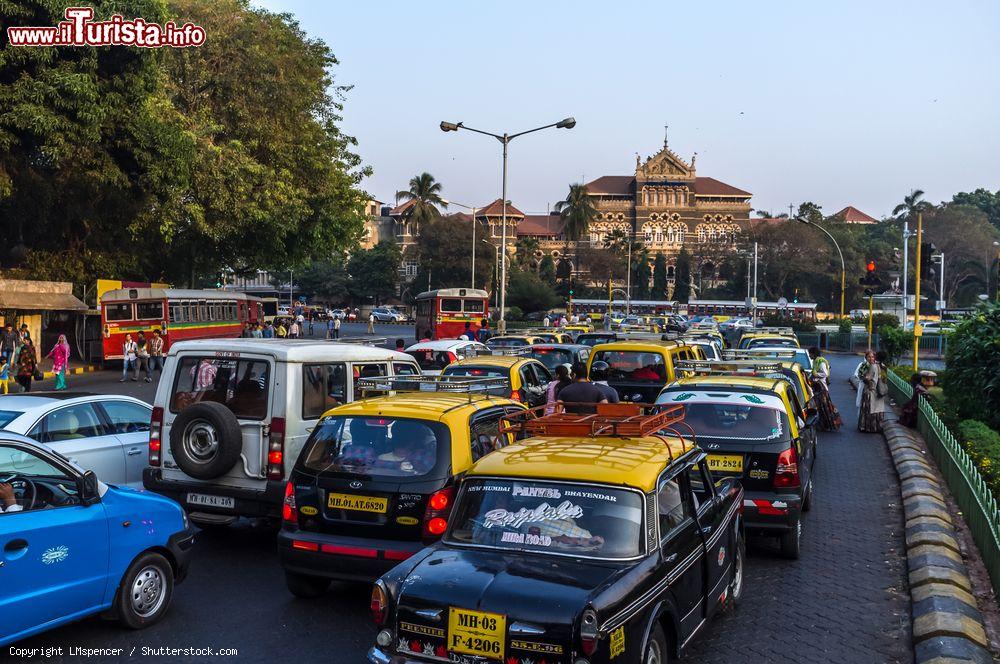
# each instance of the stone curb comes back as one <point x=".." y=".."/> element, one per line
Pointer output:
<point x="947" y="624"/>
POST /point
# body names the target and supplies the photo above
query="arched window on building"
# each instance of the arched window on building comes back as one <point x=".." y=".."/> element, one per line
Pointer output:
<point x="702" y="233"/>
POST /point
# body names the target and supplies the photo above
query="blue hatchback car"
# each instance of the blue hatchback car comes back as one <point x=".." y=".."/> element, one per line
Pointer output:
<point x="72" y="546"/>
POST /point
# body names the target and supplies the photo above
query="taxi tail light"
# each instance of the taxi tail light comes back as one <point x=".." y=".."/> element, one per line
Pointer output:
<point x="588" y="632"/>
<point x="289" y="513"/>
<point x="155" y="436"/>
<point x="516" y="395"/>
<point x="379" y="605"/>
<point x="786" y="475"/>
<point x="436" y="514"/>
<point x="276" y="449"/>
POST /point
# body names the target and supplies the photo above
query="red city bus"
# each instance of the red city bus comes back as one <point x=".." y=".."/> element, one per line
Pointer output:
<point x="443" y="313"/>
<point x="180" y="314"/>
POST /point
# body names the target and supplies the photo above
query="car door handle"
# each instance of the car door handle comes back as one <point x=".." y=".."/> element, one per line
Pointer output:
<point x="134" y="451"/>
<point x="16" y="545"/>
<point x="706" y="530"/>
<point x="671" y="558"/>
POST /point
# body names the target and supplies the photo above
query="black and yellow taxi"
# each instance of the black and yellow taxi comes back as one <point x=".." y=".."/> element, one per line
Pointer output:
<point x="594" y="338"/>
<point x="639" y="368"/>
<point x="375" y="480"/>
<point x="782" y="337"/>
<point x="553" y="336"/>
<point x="598" y="539"/>
<point x="526" y="378"/>
<point x="786" y="370"/>
<point x="513" y="340"/>
<point x="755" y="429"/>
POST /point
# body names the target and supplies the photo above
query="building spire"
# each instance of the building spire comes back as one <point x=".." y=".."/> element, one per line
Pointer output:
<point x="666" y="127"/>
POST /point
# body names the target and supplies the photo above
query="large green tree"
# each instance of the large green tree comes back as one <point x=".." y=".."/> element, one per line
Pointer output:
<point x="444" y="246"/>
<point x="425" y="194"/>
<point x="527" y="291"/>
<point x="986" y="201"/>
<point x="682" y="277"/>
<point x="659" y="277"/>
<point x="374" y="272"/>
<point x="912" y="204"/>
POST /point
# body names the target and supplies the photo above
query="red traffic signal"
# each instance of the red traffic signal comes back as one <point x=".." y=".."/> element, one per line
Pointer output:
<point x="871" y="266"/>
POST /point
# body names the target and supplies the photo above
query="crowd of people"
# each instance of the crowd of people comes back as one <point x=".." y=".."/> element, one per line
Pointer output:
<point x="142" y="354"/>
<point x="19" y="359"/>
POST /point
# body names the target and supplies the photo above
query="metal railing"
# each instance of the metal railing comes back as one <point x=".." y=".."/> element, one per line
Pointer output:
<point x="979" y="506"/>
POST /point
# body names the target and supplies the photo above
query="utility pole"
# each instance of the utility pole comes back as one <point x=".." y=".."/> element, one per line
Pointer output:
<point x="906" y="252"/>
<point x="917" y="330"/>
<point x="790" y="206"/>
<point x="753" y="316"/>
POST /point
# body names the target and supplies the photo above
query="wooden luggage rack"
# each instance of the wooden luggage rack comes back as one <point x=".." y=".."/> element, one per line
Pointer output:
<point x="626" y="420"/>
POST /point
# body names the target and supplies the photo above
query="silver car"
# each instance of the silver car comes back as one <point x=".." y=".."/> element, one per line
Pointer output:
<point x="108" y="434"/>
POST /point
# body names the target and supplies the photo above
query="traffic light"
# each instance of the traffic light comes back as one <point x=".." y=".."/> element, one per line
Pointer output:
<point x="871" y="279"/>
<point x="570" y="291"/>
<point x="927" y="250"/>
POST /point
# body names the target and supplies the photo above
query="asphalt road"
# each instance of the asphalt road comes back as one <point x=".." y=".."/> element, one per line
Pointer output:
<point x="844" y="601"/>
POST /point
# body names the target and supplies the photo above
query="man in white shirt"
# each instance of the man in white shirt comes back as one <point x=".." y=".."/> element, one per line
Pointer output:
<point x="7" y="503"/>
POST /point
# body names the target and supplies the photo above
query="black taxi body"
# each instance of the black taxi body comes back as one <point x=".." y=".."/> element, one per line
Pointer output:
<point x="754" y="429"/>
<point x="569" y="548"/>
<point x="375" y="482"/>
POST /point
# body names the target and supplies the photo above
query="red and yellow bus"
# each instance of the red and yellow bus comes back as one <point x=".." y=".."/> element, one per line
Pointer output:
<point x="443" y="313"/>
<point x="179" y="314"/>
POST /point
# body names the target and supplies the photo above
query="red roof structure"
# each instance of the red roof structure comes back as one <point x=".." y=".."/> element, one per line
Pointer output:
<point x="402" y="208"/>
<point x="853" y="215"/>
<point x="624" y="185"/>
<point x="540" y="225"/>
<point x="495" y="209"/>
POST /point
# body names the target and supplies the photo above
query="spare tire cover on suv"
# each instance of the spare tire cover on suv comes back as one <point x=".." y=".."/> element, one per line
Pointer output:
<point x="205" y="440"/>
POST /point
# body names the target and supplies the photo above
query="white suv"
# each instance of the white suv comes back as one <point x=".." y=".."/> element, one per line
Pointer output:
<point x="230" y="416"/>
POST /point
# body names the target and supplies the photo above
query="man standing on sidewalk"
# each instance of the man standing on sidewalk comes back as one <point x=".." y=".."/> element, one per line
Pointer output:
<point x="371" y="323"/>
<point x="156" y="352"/>
<point x="335" y="327"/>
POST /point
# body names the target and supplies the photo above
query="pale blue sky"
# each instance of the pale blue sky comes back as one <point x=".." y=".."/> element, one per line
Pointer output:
<point x="841" y="103"/>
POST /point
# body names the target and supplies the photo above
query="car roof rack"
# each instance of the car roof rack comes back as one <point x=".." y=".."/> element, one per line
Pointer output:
<point x="774" y="330"/>
<point x="516" y="350"/>
<point x="447" y="384"/>
<point x="727" y="367"/>
<point x="364" y="341"/>
<point x="748" y="353"/>
<point x="620" y="420"/>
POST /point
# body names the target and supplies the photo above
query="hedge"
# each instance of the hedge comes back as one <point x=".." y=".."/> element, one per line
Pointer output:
<point x="983" y="445"/>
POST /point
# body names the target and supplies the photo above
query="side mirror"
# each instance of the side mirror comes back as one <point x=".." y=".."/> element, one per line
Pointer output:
<point x="812" y="417"/>
<point x="89" y="489"/>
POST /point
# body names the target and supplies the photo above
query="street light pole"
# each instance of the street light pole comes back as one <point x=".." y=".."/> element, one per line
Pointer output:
<point x="843" y="269"/>
<point x="753" y="315"/>
<point x="505" y="139"/>
<point x="906" y="255"/>
<point x="473" y="209"/>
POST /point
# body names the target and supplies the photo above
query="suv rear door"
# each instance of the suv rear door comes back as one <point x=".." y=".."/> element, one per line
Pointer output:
<point x="246" y="384"/>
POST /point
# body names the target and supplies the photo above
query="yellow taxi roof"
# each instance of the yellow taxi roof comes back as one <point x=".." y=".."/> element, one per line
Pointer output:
<point x="417" y="405"/>
<point x="648" y="345"/>
<point x="754" y="382"/>
<point x="632" y="462"/>
<point x="490" y="361"/>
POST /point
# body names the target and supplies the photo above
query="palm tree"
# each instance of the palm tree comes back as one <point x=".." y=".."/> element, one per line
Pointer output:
<point x="911" y="205"/>
<point x="576" y="212"/>
<point x="425" y="192"/>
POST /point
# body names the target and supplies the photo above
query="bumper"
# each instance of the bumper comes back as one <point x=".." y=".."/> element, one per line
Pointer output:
<point x="770" y="512"/>
<point x="180" y="544"/>
<point x="378" y="656"/>
<point x="339" y="557"/>
<point x="249" y="503"/>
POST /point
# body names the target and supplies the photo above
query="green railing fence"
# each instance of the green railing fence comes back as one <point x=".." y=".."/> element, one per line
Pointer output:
<point x="978" y="505"/>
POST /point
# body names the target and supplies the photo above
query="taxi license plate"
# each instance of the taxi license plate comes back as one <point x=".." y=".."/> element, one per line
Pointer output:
<point x="205" y="500"/>
<point x="476" y="633"/>
<point x="346" y="501"/>
<point x="726" y="463"/>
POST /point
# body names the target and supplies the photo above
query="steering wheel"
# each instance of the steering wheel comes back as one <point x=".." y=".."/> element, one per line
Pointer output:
<point x="11" y="479"/>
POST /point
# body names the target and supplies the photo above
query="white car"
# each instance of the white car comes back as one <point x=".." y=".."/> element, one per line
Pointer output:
<point x="231" y="415"/>
<point x="108" y="434"/>
<point x="388" y="315"/>
<point x="433" y="356"/>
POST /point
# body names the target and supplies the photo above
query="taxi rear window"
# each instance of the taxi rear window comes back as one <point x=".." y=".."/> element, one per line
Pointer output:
<point x="382" y="447"/>
<point x="638" y="366"/>
<point x="482" y="372"/>
<point x="507" y="342"/>
<point x="547" y="517"/>
<point x="727" y="421"/>
<point x="552" y="357"/>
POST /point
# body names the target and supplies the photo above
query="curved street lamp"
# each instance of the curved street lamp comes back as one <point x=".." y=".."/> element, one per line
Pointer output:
<point x="505" y="139"/>
<point x="843" y="270"/>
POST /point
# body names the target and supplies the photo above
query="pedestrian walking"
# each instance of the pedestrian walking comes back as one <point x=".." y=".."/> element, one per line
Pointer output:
<point x="371" y="323"/>
<point x="268" y="331"/>
<point x="546" y="322"/>
<point x="4" y="375"/>
<point x="156" y="352"/>
<point x="921" y="382"/>
<point x="280" y="331"/>
<point x="829" y="416"/>
<point x="257" y="332"/>
<point x="336" y="328"/>
<point x="873" y="390"/>
<point x="483" y="334"/>
<point x="293" y="331"/>
<point x="467" y="334"/>
<point x="130" y="358"/>
<point x="27" y="363"/>
<point x="312" y="317"/>
<point x="582" y="395"/>
<point x="142" y="355"/>
<point x="599" y="376"/>
<point x="8" y="343"/>
<point x="60" y="361"/>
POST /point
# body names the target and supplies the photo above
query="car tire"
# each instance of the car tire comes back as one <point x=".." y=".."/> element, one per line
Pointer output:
<point x="791" y="542"/>
<point x="145" y="591"/>
<point x="739" y="570"/>
<point x="306" y="586"/>
<point x="206" y="440"/>
<point x="657" y="651"/>
<point x="807" y="500"/>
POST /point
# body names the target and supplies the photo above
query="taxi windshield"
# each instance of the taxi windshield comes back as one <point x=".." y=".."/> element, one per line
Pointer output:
<point x="547" y="517"/>
<point x="552" y="357"/>
<point x="383" y="447"/>
<point x="629" y="365"/>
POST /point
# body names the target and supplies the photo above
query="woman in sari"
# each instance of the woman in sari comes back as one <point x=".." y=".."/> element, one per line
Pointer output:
<point x="60" y="361"/>
<point x="829" y="416"/>
<point x="873" y="390"/>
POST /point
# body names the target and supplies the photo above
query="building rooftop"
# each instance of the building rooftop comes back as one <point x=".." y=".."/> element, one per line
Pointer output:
<point x="624" y="185"/>
<point x="853" y="215"/>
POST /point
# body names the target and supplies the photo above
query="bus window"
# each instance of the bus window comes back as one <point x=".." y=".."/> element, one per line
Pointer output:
<point x="452" y="304"/>
<point x="113" y="312"/>
<point x="176" y="312"/>
<point x="232" y="310"/>
<point x="149" y="310"/>
<point x="424" y="307"/>
<point x="202" y="311"/>
<point x="474" y="306"/>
